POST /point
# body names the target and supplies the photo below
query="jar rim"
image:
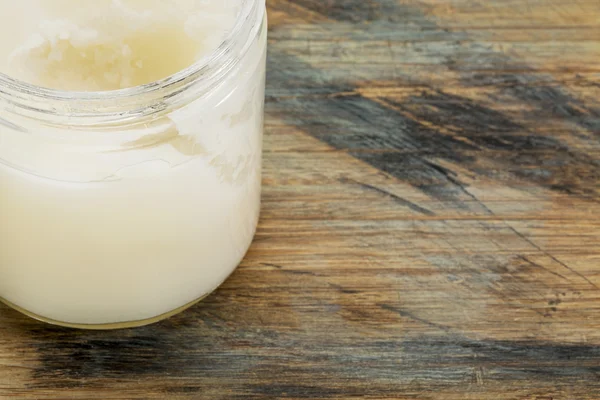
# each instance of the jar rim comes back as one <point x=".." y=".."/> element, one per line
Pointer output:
<point x="118" y="105"/>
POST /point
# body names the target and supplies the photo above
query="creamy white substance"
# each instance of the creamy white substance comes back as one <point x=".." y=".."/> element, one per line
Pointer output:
<point x="92" y="45"/>
<point x="94" y="235"/>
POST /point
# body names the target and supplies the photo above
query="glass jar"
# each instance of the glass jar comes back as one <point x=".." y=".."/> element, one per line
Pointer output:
<point x="124" y="207"/>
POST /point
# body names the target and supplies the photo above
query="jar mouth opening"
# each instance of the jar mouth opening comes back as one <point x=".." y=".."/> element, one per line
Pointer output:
<point x="144" y="98"/>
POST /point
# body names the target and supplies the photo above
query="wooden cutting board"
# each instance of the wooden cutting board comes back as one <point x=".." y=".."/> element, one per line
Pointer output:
<point x="430" y="225"/>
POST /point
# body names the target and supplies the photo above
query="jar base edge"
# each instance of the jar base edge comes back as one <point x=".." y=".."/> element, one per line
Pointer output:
<point x="105" y="326"/>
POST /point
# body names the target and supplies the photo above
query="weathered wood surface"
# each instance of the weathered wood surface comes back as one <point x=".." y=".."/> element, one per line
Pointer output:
<point x="430" y="228"/>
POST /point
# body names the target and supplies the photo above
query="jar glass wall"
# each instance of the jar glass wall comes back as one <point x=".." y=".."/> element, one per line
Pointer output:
<point x="123" y="207"/>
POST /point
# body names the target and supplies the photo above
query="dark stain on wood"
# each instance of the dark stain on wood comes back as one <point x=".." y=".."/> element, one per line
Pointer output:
<point x="549" y="101"/>
<point x="396" y="198"/>
<point x="457" y="129"/>
<point x="355" y="10"/>
<point x="68" y="356"/>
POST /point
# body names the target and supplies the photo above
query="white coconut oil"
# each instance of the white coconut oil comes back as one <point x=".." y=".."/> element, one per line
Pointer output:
<point x="130" y="154"/>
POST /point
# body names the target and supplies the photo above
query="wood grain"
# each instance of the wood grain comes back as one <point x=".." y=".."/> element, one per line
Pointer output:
<point x="430" y="224"/>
